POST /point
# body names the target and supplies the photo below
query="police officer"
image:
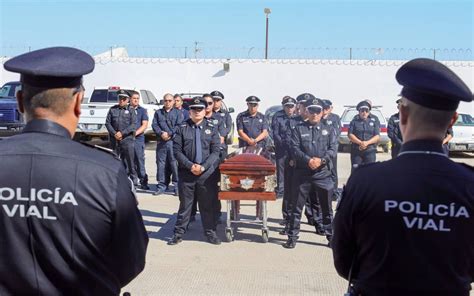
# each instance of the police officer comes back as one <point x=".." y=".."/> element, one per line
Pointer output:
<point x="394" y="132"/>
<point x="196" y="148"/>
<point x="334" y="121"/>
<point x="141" y="124"/>
<point x="218" y="122"/>
<point x="313" y="145"/>
<point x="217" y="96"/>
<point x="364" y="133"/>
<point x="165" y="124"/>
<point x="251" y="125"/>
<point x="68" y="218"/>
<point x="278" y="130"/>
<point x="398" y="217"/>
<point x="178" y="104"/>
<point x="449" y="135"/>
<point x="121" y="125"/>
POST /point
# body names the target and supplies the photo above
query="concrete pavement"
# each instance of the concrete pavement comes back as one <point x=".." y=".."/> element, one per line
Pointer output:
<point x="246" y="266"/>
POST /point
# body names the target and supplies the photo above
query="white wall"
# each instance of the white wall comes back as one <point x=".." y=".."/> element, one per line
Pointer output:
<point x="342" y="81"/>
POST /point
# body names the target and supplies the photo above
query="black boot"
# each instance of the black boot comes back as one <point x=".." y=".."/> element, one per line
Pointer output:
<point x="290" y="243"/>
<point x="212" y="238"/>
<point x="176" y="239"/>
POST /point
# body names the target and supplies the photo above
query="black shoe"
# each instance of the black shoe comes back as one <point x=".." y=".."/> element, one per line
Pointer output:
<point x="144" y="186"/>
<point x="283" y="232"/>
<point x="329" y="237"/>
<point x="320" y="231"/>
<point x="311" y="222"/>
<point x="213" y="239"/>
<point x="176" y="239"/>
<point x="282" y="222"/>
<point x="290" y="243"/>
<point x="176" y="191"/>
<point x="159" y="192"/>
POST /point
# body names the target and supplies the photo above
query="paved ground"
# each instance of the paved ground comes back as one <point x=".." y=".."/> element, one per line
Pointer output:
<point x="246" y="266"/>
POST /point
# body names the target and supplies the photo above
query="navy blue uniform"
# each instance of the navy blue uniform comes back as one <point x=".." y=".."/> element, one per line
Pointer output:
<point x="123" y="119"/>
<point x="334" y="121"/>
<point x="279" y="132"/>
<point x="252" y="126"/>
<point x="168" y="122"/>
<point x="202" y="187"/>
<point x="408" y="223"/>
<point x="227" y="123"/>
<point x="312" y="141"/>
<point x="394" y="133"/>
<point x="69" y="223"/>
<point x="142" y="115"/>
<point x="364" y="130"/>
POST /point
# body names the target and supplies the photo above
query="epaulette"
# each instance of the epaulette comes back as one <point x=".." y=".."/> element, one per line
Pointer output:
<point x="103" y="149"/>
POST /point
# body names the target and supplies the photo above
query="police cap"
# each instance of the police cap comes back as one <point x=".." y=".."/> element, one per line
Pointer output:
<point x="252" y="99"/>
<point x="217" y="95"/>
<point x="315" y="102"/>
<point x="433" y="85"/>
<point x="304" y="97"/>
<point x="364" y="105"/>
<point x="327" y="104"/>
<point x="197" y="102"/>
<point x="287" y="101"/>
<point x="53" y="67"/>
<point x="122" y="94"/>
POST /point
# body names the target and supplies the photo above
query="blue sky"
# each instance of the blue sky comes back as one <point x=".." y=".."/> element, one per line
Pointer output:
<point x="151" y="26"/>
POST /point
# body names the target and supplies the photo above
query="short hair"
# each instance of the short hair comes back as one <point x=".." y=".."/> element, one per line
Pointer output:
<point x="177" y="96"/>
<point x="56" y="100"/>
<point x="426" y="118"/>
<point x="167" y="95"/>
<point x="207" y="96"/>
<point x="134" y="92"/>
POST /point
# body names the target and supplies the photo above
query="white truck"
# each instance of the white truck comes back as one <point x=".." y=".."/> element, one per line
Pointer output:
<point x="94" y="111"/>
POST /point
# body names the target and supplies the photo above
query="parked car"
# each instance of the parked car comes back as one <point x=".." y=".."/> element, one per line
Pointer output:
<point x="346" y="118"/>
<point x="11" y="120"/>
<point x="187" y="97"/>
<point x="463" y="134"/>
<point x="95" y="109"/>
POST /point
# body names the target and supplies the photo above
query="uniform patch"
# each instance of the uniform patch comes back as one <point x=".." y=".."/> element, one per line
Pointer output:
<point x="126" y="112"/>
<point x="215" y="121"/>
<point x="260" y="120"/>
<point x="222" y="114"/>
<point x="371" y="123"/>
<point x="329" y="122"/>
<point x="208" y="132"/>
<point x="324" y="132"/>
<point x="304" y="135"/>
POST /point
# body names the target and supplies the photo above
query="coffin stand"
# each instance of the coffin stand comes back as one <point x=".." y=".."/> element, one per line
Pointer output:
<point x="247" y="174"/>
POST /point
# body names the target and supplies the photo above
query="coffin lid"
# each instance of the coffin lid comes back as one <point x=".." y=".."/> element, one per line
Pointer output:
<point x="250" y="158"/>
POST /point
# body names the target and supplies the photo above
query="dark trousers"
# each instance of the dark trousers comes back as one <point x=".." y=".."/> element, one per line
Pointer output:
<point x="362" y="157"/>
<point x="288" y="190"/>
<point x="165" y="156"/>
<point x="317" y="191"/>
<point x="281" y="160"/>
<point x="140" y="160"/>
<point x="189" y="189"/>
<point x="395" y="150"/>
<point x="125" y="149"/>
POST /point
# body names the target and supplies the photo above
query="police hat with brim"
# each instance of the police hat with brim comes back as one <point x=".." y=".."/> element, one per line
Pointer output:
<point x="364" y="105"/>
<point x="217" y="95"/>
<point x="197" y="102"/>
<point x="301" y="99"/>
<point x="54" y="67"/>
<point x="327" y="104"/>
<point x="123" y="95"/>
<point x="288" y="101"/>
<point x="431" y="84"/>
<point x="252" y="100"/>
<point x="314" y="104"/>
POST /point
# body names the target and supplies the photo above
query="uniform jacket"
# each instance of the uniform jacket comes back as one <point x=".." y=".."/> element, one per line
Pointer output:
<point x="393" y="130"/>
<point x="313" y="141"/>
<point x="408" y="222"/>
<point x="252" y="126"/>
<point x="227" y="122"/>
<point x="121" y="119"/>
<point x="334" y="121"/>
<point x="280" y="132"/>
<point x="365" y="130"/>
<point x="166" y="122"/>
<point x="184" y="148"/>
<point x="69" y="222"/>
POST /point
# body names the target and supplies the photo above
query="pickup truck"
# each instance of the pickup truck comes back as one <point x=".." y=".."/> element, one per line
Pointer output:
<point x="11" y="120"/>
<point x="94" y="111"/>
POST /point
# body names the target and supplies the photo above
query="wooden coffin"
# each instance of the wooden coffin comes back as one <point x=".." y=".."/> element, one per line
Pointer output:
<point x="248" y="174"/>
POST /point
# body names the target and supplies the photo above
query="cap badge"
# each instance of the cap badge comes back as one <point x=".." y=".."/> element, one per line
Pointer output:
<point x="208" y="132"/>
<point x="324" y="132"/>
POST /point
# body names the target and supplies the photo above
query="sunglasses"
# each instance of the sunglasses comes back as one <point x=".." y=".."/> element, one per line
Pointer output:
<point x="290" y="106"/>
<point x="252" y="104"/>
<point x="314" y="111"/>
<point x="197" y="109"/>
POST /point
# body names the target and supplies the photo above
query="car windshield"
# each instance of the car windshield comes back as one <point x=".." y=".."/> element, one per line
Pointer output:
<point x="349" y="115"/>
<point x="9" y="90"/>
<point x="464" y="120"/>
<point x="104" y="96"/>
